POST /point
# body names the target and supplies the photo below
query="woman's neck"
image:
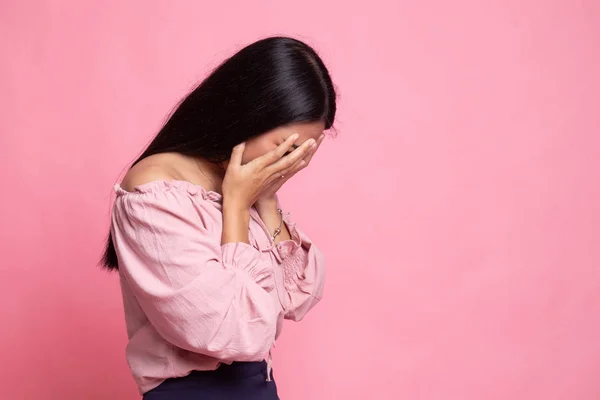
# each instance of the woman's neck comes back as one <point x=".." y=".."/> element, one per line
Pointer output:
<point x="209" y="175"/>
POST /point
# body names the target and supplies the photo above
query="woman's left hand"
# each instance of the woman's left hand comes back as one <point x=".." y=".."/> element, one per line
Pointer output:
<point x="270" y="192"/>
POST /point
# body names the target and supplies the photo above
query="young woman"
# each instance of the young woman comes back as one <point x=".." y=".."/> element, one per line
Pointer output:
<point x="209" y="264"/>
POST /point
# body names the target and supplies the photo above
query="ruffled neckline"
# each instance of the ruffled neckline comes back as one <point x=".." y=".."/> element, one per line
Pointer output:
<point x="162" y="185"/>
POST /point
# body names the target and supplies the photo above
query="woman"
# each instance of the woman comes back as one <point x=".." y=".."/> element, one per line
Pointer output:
<point x="208" y="263"/>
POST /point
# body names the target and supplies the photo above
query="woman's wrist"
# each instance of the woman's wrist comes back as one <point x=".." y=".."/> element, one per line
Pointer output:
<point x="266" y="204"/>
<point x="272" y="217"/>
<point x="234" y="205"/>
<point x="236" y="222"/>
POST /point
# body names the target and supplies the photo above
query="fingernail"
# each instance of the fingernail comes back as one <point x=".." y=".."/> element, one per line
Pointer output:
<point x="295" y="136"/>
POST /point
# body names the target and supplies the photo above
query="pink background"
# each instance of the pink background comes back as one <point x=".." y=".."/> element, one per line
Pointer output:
<point x="458" y="207"/>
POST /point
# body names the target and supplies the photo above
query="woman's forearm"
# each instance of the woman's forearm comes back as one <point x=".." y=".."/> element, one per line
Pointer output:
<point x="236" y="222"/>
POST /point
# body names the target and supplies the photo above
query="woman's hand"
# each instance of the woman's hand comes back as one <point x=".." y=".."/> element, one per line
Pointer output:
<point x="268" y="194"/>
<point x="243" y="185"/>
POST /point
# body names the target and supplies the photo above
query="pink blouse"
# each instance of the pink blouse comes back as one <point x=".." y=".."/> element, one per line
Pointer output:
<point x="191" y="303"/>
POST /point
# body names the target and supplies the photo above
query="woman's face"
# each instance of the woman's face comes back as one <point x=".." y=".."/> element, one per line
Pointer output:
<point x="268" y="141"/>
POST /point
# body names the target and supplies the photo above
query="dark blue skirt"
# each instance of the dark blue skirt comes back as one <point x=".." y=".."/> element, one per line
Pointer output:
<point x="240" y="380"/>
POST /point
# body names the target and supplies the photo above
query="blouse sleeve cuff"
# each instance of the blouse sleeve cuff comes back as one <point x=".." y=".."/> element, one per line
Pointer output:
<point x="245" y="257"/>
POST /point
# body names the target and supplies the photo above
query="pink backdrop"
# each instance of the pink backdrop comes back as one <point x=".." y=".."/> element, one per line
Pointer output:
<point x="458" y="207"/>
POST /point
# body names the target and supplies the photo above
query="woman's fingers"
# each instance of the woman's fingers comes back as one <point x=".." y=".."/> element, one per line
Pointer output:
<point x="289" y="160"/>
<point x="277" y="179"/>
<point x="275" y="155"/>
<point x="314" y="149"/>
<point x="237" y="153"/>
<point x="291" y="170"/>
<point x="304" y="161"/>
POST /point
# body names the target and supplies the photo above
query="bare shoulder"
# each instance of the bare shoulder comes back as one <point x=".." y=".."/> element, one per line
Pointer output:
<point x="158" y="167"/>
<point x="165" y="167"/>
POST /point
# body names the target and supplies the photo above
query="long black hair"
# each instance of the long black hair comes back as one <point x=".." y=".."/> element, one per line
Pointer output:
<point x="270" y="83"/>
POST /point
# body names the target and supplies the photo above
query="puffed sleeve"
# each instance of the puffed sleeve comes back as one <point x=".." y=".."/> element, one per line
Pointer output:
<point x="303" y="267"/>
<point x="199" y="295"/>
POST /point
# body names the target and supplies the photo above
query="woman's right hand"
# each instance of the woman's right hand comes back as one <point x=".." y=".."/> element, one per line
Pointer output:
<point x="244" y="183"/>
